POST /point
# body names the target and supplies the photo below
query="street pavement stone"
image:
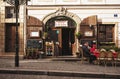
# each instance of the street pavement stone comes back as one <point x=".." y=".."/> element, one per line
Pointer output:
<point x="13" y="76"/>
<point x="49" y="65"/>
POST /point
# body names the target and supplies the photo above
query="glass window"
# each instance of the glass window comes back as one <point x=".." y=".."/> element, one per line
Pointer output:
<point x="10" y="12"/>
<point x="105" y="32"/>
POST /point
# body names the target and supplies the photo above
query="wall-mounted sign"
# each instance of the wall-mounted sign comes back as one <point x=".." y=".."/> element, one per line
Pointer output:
<point x="88" y="33"/>
<point x="61" y="23"/>
<point x="34" y="34"/>
<point x="115" y="15"/>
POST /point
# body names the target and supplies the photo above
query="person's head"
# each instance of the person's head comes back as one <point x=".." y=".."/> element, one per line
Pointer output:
<point x="93" y="46"/>
<point x="86" y="44"/>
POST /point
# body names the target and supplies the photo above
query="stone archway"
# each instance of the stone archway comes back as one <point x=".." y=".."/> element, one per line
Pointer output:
<point x="63" y="12"/>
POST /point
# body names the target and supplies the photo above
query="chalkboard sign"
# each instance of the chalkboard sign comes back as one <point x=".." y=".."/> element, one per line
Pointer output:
<point x="35" y="43"/>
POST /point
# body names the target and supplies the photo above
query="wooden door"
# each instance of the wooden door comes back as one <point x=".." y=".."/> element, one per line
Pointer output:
<point x="10" y="38"/>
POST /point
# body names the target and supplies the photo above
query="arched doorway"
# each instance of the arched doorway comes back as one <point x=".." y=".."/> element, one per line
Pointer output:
<point x="61" y="29"/>
<point x="63" y="24"/>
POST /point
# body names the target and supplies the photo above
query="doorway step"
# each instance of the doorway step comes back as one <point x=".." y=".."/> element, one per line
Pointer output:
<point x="66" y="58"/>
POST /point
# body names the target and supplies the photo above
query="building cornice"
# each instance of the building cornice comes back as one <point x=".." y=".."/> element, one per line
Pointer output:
<point x="107" y="6"/>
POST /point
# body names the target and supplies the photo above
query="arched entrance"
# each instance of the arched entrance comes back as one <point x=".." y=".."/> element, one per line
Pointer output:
<point x="61" y="27"/>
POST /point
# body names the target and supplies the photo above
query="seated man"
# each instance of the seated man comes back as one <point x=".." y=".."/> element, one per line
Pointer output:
<point x="86" y="52"/>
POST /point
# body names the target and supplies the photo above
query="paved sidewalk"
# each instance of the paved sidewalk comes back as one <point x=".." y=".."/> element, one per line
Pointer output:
<point x="58" y="68"/>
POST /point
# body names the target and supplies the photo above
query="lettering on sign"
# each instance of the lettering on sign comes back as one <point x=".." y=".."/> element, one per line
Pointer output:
<point x="61" y="23"/>
<point x="88" y="33"/>
<point x="34" y="34"/>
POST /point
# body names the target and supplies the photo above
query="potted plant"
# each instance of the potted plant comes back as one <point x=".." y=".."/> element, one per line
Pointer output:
<point x="45" y="35"/>
<point x="78" y="35"/>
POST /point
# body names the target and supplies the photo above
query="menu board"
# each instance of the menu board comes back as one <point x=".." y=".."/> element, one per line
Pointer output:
<point x="35" y="43"/>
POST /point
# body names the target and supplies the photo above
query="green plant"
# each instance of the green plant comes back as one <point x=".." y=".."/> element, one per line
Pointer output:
<point x="117" y="49"/>
<point x="45" y="35"/>
<point x="108" y="48"/>
<point x="78" y="35"/>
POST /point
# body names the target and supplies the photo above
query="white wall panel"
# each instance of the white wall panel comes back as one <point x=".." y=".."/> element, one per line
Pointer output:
<point x="40" y="11"/>
<point x="42" y="2"/>
<point x="92" y="1"/>
<point x="111" y="20"/>
<point x="40" y="14"/>
<point x="103" y="15"/>
<point x="96" y="11"/>
<point x="71" y="2"/>
<point x="113" y="1"/>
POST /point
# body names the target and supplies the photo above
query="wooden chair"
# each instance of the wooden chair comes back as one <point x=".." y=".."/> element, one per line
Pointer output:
<point x="83" y="58"/>
<point x="109" y="58"/>
<point x="101" y="58"/>
<point x="117" y="59"/>
<point x="28" y="50"/>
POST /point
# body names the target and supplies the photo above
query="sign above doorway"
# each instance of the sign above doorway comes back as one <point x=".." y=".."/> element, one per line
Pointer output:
<point x="62" y="23"/>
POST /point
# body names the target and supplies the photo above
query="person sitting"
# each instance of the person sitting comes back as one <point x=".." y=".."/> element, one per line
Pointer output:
<point x="92" y="49"/>
<point x="86" y="52"/>
<point x="96" y="53"/>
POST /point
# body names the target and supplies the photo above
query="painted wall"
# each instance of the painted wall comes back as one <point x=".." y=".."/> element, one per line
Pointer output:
<point x="71" y="2"/>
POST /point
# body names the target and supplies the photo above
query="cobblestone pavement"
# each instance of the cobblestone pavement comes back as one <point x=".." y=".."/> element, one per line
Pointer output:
<point x="49" y="65"/>
<point x="13" y="76"/>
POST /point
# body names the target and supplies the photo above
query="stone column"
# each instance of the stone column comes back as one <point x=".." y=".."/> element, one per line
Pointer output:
<point x="118" y="35"/>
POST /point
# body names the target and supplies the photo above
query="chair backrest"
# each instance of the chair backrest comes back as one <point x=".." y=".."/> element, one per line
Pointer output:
<point x="109" y="55"/>
<point x="81" y="51"/>
<point x="102" y="54"/>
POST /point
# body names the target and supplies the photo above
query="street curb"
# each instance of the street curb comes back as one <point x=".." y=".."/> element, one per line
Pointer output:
<point x="59" y="73"/>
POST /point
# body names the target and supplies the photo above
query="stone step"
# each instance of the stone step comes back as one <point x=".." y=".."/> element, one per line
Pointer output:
<point x="66" y="58"/>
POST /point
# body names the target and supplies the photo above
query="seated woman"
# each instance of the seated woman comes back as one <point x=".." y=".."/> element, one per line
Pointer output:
<point x="92" y="49"/>
<point x="96" y="53"/>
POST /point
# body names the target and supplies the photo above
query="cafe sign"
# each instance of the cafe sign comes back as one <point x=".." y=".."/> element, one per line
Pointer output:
<point x="61" y="23"/>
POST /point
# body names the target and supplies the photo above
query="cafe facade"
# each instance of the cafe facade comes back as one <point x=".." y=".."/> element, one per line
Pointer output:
<point x="45" y="24"/>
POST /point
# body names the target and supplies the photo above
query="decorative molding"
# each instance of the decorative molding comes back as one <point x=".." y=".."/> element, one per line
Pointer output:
<point x="61" y="11"/>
